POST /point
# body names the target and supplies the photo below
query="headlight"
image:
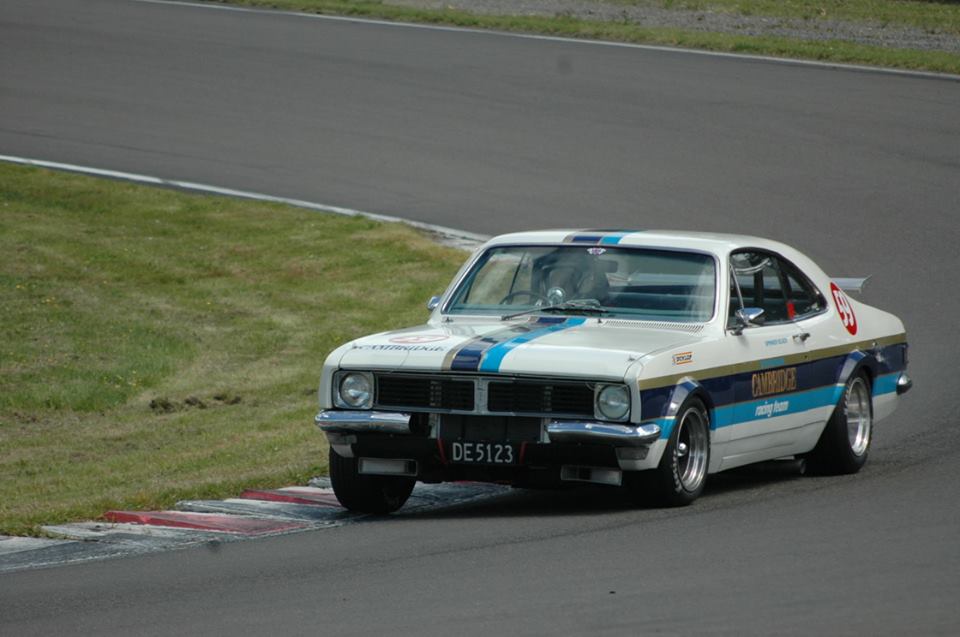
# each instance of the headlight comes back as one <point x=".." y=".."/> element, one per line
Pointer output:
<point x="354" y="390"/>
<point x="613" y="402"/>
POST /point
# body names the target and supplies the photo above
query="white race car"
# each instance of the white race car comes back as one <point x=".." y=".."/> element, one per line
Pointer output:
<point x="640" y="360"/>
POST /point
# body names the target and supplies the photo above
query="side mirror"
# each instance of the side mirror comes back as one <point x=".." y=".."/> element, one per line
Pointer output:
<point x="433" y="303"/>
<point x="746" y="317"/>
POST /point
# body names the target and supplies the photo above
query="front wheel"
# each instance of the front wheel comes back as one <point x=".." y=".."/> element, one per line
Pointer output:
<point x="364" y="493"/>
<point x="682" y="473"/>
<point x="845" y="441"/>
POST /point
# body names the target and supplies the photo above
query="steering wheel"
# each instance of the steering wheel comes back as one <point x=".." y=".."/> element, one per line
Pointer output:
<point x="530" y="293"/>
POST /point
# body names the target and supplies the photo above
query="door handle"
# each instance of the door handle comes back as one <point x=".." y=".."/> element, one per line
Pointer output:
<point x="801" y="337"/>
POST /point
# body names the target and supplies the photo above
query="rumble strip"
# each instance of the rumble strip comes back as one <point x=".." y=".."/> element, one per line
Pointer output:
<point x="256" y="513"/>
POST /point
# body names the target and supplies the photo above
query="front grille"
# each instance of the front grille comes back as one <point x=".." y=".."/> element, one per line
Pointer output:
<point x="554" y="398"/>
<point x="424" y="392"/>
<point x="489" y="428"/>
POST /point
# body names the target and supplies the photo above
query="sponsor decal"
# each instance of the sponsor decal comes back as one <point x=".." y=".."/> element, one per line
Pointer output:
<point x="775" y="381"/>
<point x="773" y="342"/>
<point x="772" y="408"/>
<point x="391" y="347"/>
<point x="419" y="339"/>
<point x="844" y="309"/>
<point x="683" y="358"/>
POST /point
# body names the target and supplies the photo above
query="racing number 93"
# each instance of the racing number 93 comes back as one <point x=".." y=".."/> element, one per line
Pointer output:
<point x="847" y="317"/>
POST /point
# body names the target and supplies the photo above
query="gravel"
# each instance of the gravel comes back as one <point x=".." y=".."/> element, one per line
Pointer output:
<point x="872" y="33"/>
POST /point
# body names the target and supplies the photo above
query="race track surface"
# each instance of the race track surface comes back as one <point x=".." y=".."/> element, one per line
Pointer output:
<point x="491" y="133"/>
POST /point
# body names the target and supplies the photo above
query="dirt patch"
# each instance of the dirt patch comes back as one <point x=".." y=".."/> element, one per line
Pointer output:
<point x="164" y="405"/>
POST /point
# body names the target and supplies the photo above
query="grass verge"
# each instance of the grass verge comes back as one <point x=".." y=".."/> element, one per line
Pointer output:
<point x="565" y="26"/>
<point x="156" y="345"/>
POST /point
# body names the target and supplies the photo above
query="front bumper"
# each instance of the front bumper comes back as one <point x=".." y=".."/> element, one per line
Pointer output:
<point x="573" y="431"/>
<point x="627" y="447"/>
<point x="346" y="422"/>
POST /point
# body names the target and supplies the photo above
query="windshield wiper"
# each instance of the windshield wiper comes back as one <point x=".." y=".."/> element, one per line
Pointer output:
<point x="587" y="306"/>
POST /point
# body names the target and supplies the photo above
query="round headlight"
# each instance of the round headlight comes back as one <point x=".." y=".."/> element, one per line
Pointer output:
<point x="356" y="390"/>
<point x="613" y="402"/>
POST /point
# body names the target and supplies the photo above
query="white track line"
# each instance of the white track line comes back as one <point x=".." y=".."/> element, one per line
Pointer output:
<point x="449" y="236"/>
<point x="554" y="38"/>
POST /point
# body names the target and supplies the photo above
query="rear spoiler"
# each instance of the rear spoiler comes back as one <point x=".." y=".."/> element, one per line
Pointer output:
<point x="851" y="283"/>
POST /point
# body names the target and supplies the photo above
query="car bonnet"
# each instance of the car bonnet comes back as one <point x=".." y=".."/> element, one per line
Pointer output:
<point x="542" y="346"/>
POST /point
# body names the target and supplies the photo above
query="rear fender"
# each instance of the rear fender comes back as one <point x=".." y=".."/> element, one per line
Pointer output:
<point x="856" y="361"/>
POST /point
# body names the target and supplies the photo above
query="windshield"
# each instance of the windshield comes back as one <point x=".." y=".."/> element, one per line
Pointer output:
<point x="619" y="282"/>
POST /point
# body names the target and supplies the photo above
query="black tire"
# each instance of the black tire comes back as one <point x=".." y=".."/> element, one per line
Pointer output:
<point x="680" y="477"/>
<point x="367" y="494"/>
<point x="845" y="442"/>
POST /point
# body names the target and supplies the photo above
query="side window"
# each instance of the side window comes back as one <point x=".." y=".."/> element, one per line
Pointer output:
<point x="803" y="299"/>
<point x="758" y="278"/>
<point x="769" y="282"/>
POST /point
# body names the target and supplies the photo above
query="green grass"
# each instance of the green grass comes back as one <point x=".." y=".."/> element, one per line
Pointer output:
<point x="156" y="345"/>
<point x="925" y="14"/>
<point x="930" y="15"/>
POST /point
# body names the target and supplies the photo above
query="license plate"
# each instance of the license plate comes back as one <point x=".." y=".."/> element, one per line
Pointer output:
<point x="483" y="453"/>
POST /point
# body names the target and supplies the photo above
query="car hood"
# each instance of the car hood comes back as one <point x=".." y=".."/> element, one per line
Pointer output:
<point x="543" y="346"/>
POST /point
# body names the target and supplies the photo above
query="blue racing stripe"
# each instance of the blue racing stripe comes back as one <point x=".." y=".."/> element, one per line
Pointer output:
<point x="885" y="384"/>
<point x="782" y="405"/>
<point x="494" y="356"/>
<point x="613" y="238"/>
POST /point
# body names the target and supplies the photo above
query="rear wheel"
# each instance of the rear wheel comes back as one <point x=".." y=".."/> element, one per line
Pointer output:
<point x="845" y="441"/>
<point x="367" y="494"/>
<point x="682" y="473"/>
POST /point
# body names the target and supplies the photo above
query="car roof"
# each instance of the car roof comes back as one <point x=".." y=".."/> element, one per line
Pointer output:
<point x="714" y="242"/>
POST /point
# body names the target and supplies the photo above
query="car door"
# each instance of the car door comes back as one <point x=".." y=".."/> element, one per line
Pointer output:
<point x="767" y="416"/>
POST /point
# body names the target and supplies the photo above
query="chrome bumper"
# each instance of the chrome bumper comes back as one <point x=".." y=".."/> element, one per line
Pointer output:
<point x="904" y="383"/>
<point x="350" y="422"/>
<point x="599" y="432"/>
<point x="343" y="422"/>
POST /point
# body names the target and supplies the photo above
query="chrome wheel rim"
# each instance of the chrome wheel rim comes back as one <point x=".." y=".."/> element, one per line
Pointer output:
<point x="859" y="416"/>
<point x="692" y="449"/>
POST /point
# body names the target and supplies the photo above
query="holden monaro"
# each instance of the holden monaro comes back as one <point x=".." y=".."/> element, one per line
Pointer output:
<point x="640" y="360"/>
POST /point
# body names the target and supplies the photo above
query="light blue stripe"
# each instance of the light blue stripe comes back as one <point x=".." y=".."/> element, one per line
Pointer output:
<point x="796" y="402"/>
<point x="885" y="384"/>
<point x="613" y="239"/>
<point x="494" y="356"/>
<point x="772" y="362"/>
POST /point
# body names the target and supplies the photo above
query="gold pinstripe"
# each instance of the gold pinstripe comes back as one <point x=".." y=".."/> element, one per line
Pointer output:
<point x="752" y="366"/>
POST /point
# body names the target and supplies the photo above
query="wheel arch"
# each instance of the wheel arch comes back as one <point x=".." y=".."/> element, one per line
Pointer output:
<point x="685" y="389"/>
<point x="857" y="362"/>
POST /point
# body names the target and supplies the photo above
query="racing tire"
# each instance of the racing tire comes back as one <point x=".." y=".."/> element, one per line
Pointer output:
<point x="845" y="442"/>
<point x="367" y="494"/>
<point x="680" y="477"/>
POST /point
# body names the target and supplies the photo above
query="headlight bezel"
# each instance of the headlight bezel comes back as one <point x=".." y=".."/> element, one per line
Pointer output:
<point x="612" y="412"/>
<point x="340" y="398"/>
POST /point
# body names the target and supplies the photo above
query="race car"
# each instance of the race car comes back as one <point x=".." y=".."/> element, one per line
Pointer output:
<point x="643" y="361"/>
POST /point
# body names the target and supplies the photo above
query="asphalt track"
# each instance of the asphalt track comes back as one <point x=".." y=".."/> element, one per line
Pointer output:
<point x="493" y="133"/>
